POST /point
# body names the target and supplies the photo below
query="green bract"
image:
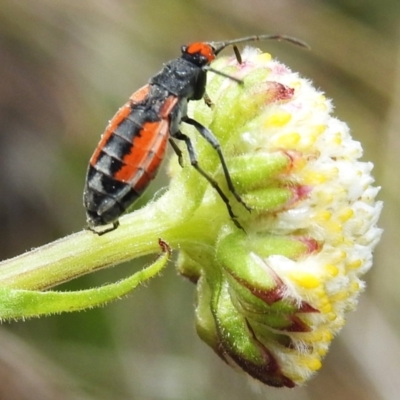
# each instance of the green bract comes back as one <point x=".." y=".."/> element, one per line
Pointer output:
<point x="271" y="298"/>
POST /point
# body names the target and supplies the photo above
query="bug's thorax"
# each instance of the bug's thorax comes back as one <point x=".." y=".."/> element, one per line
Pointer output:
<point x="185" y="77"/>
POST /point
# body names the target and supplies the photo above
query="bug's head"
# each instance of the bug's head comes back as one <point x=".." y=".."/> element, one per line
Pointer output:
<point x="203" y="53"/>
<point x="199" y="53"/>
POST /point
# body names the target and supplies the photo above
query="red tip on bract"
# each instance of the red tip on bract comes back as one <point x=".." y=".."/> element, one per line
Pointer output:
<point x="299" y="193"/>
<point x="312" y="245"/>
<point x="202" y="48"/>
<point x="164" y="246"/>
<point x="281" y="92"/>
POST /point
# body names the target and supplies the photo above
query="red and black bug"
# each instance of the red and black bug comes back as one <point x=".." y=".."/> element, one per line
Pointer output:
<point x="134" y="142"/>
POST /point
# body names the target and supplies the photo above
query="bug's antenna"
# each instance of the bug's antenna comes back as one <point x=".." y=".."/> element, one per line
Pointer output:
<point x="219" y="46"/>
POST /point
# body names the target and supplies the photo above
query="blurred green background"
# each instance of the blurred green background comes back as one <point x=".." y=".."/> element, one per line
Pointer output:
<point x="65" y="68"/>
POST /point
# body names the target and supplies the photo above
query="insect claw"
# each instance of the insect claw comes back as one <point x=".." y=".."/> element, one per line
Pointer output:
<point x="99" y="231"/>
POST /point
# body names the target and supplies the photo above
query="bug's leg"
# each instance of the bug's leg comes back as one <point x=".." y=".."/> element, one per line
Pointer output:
<point x="207" y="100"/>
<point x="114" y="226"/>
<point x="177" y="151"/>
<point x="194" y="162"/>
<point x="215" y="71"/>
<point x="208" y="135"/>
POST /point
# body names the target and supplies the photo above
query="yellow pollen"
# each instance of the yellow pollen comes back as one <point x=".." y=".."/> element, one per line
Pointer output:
<point x="346" y="214"/>
<point x="313" y="364"/>
<point x="314" y="178"/>
<point x="336" y="239"/>
<point x="327" y="337"/>
<point x="354" y="264"/>
<point x="335" y="227"/>
<point x="288" y="140"/>
<point x="264" y="57"/>
<point x="348" y="242"/>
<point x="333" y="173"/>
<point x="338" y="256"/>
<point x="323" y="299"/>
<point x="324" y="215"/>
<point x="322" y="351"/>
<point x="278" y="119"/>
<point x="331" y="316"/>
<point x="342" y="295"/>
<point x="325" y="198"/>
<point x="321" y="103"/>
<point x="319" y="129"/>
<point x="305" y="279"/>
<point x="320" y="292"/>
<point x="296" y="85"/>
<point x="324" y="336"/>
<point x="312" y="135"/>
<point x="325" y="309"/>
<point x="341" y="193"/>
<point x="331" y="270"/>
<point x="355" y="287"/>
<point x="309" y="141"/>
<point x="315" y="336"/>
<point x="299" y="379"/>
<point x="337" y="139"/>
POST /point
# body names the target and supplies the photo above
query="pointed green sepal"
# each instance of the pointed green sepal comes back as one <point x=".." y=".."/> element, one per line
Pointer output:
<point x="22" y="304"/>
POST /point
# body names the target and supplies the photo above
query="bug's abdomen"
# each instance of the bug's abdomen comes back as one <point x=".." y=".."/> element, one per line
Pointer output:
<point x="127" y="157"/>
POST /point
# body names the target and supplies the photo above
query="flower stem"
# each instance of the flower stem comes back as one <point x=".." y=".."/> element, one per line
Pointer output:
<point x="85" y="252"/>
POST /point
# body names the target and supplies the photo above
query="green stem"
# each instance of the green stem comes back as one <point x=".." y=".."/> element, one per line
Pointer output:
<point x="85" y="252"/>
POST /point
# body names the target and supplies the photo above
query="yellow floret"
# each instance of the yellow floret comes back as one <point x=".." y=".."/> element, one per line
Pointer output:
<point x="354" y="264"/>
<point x="288" y="140"/>
<point x="278" y="119"/>
<point x="323" y="215"/>
<point x="354" y="287"/>
<point x="346" y="214"/>
<point x="337" y="139"/>
<point x="334" y="227"/>
<point x="305" y="279"/>
<point x="331" y="270"/>
<point x="341" y="295"/>
<point x="319" y="129"/>
<point x="322" y="351"/>
<point x="325" y="197"/>
<point x="314" y="178"/>
<point x="321" y="103"/>
<point x="327" y="336"/>
<point x="314" y="364"/>
<point x="263" y="58"/>
<point x="327" y="308"/>
<point x="331" y="316"/>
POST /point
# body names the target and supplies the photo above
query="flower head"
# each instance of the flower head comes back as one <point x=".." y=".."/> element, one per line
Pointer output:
<point x="271" y="298"/>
